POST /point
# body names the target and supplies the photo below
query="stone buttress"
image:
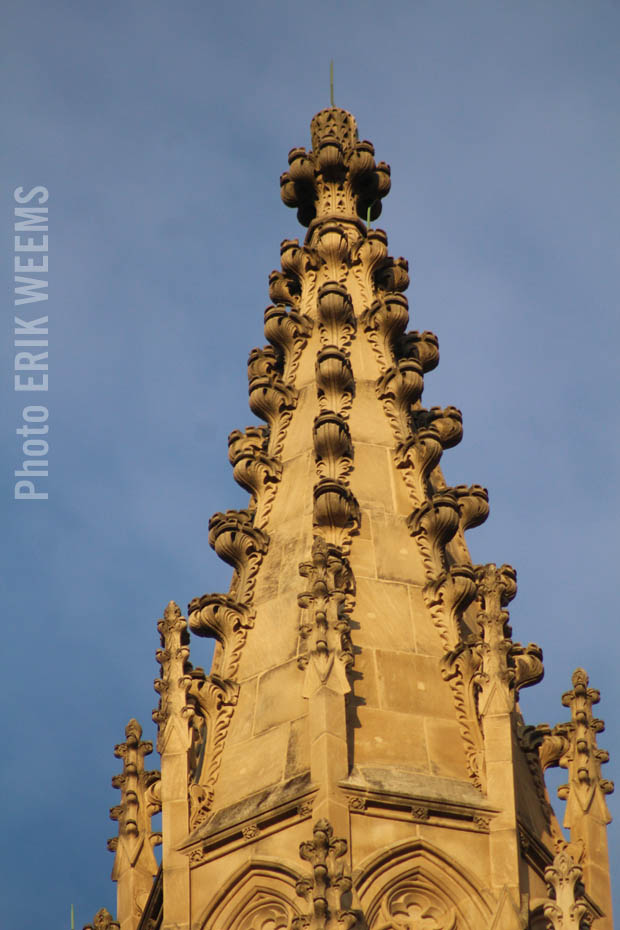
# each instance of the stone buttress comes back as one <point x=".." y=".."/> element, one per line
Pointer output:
<point x="356" y="755"/>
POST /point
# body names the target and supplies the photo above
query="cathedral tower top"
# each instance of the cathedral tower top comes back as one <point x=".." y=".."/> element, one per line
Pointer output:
<point x="357" y="753"/>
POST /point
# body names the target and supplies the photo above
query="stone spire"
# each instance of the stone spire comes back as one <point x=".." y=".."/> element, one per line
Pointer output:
<point x="364" y="688"/>
<point x="134" y="861"/>
<point x="174" y="718"/>
<point x="387" y="670"/>
<point x="573" y="746"/>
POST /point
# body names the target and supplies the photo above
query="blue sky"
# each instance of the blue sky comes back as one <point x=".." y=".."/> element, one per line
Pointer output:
<point x="160" y="131"/>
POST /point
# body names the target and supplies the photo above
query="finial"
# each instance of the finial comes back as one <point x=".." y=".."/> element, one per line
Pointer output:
<point x="134" y="862"/>
<point x="587" y="788"/>
<point x="339" y="177"/>
<point x="172" y="611"/>
<point x="173" y="656"/>
<point x="103" y="920"/>
<point x="329" y="883"/>
<point x="331" y="83"/>
<point x="566" y="909"/>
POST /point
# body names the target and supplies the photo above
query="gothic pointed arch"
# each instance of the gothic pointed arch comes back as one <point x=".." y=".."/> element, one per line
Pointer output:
<point x="414" y="885"/>
<point x="260" y="895"/>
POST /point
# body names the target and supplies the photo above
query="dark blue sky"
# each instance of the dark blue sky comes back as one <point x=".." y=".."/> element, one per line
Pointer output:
<point x="160" y="131"/>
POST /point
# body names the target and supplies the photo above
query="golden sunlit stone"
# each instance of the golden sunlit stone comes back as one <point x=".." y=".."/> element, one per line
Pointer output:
<point x="356" y="756"/>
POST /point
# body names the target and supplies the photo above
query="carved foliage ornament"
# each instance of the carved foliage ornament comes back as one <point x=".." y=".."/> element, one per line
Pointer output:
<point x="385" y="322"/>
<point x="271" y="398"/>
<point x="288" y="331"/>
<point x="338" y="177"/>
<point x="399" y="388"/>
<point x="434" y="524"/>
<point x="228" y="621"/>
<point x="133" y="845"/>
<point x="507" y="666"/>
<point x="173" y="656"/>
<point x="336" y="315"/>
<point x="299" y="269"/>
<point x="416" y="458"/>
<point x="448" y="595"/>
<point x="392" y="275"/>
<point x="284" y="288"/>
<point x="324" y="623"/>
<point x="585" y="793"/>
<point x="372" y="267"/>
<point x="333" y="446"/>
<point x="334" y="379"/>
<point x="370" y="253"/>
<point x="103" y="920"/>
<point x="237" y="541"/>
<point x="461" y="667"/>
<point x="216" y="699"/>
<point x="331" y="245"/>
<point x="423" y="346"/>
<point x="568" y="909"/>
<point x="297" y="261"/>
<point x="254" y="469"/>
<point x="496" y="588"/>
<point x="449" y="591"/>
<point x="450" y="588"/>
<point x="194" y="707"/>
<point x="335" y="512"/>
<point x="325" y="888"/>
